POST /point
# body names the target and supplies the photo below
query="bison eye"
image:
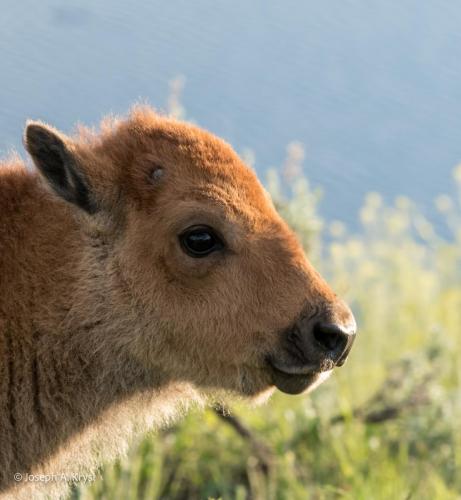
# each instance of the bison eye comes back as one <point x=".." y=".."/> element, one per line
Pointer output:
<point x="200" y="241"/>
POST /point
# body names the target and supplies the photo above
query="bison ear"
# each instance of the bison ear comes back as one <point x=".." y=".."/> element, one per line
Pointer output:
<point x="58" y="165"/>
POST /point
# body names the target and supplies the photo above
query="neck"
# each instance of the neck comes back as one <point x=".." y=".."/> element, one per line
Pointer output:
<point x="68" y="383"/>
<point x="65" y="397"/>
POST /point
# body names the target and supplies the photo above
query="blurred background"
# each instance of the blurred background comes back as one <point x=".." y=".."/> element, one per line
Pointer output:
<point x="350" y="112"/>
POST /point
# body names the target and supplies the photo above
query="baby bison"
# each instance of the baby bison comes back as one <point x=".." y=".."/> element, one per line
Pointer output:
<point x="143" y="268"/>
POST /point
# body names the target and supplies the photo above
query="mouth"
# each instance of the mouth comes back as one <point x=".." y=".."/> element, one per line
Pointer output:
<point x="296" y="380"/>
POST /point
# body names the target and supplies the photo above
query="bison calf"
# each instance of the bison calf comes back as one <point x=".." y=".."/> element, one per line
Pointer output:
<point x="143" y="268"/>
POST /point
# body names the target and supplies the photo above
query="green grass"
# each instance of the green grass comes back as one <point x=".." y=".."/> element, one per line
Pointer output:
<point x="403" y="281"/>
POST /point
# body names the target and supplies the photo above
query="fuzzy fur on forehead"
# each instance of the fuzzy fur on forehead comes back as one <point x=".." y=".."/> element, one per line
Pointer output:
<point x="124" y="136"/>
<point x="123" y="150"/>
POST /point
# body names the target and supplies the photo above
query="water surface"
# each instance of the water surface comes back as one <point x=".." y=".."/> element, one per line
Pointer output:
<point x="372" y="89"/>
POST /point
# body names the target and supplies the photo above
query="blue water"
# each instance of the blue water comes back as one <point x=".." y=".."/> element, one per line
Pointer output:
<point x="372" y="89"/>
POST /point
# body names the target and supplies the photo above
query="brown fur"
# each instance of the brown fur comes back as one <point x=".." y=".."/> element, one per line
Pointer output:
<point x="106" y="326"/>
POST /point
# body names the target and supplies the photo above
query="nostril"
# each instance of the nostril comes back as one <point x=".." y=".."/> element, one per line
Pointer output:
<point x="331" y="338"/>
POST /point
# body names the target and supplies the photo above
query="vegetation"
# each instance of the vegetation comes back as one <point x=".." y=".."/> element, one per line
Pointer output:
<point x="387" y="425"/>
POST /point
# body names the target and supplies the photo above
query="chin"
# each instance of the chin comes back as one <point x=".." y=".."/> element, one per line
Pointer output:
<point x="299" y="384"/>
<point x="286" y="383"/>
<point x="321" y="377"/>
